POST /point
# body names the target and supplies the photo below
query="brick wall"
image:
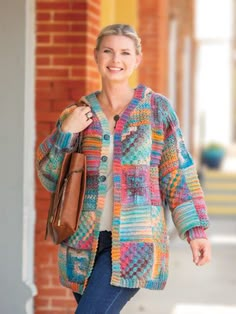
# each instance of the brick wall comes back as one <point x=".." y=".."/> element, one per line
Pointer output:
<point x="65" y="70"/>
<point x="153" y="30"/>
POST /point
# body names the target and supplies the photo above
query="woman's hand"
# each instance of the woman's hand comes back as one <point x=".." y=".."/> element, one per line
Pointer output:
<point x="78" y="120"/>
<point x="201" y="251"/>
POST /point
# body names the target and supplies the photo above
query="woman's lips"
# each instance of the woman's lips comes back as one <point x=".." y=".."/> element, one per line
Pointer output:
<point x="114" y="69"/>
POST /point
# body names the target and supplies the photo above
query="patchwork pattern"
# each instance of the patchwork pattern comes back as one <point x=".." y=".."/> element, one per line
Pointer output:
<point x="136" y="185"/>
<point x="158" y="223"/>
<point x="77" y="264"/>
<point x="157" y="146"/>
<point x="136" y="145"/>
<point x="91" y="194"/>
<point x="151" y="164"/>
<point x="154" y="186"/>
<point x="136" y="260"/>
<point x="135" y="224"/>
<point x="83" y="237"/>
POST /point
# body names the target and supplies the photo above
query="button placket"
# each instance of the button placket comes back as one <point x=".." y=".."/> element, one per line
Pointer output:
<point x="102" y="178"/>
<point x="106" y="137"/>
<point x="104" y="158"/>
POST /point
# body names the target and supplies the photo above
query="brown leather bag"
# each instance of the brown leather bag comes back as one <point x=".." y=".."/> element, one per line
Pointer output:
<point x="67" y="201"/>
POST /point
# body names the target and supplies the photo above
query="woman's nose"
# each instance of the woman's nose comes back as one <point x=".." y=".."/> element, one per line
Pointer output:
<point x="116" y="57"/>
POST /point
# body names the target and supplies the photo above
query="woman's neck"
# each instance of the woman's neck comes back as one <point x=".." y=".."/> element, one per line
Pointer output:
<point x="116" y="96"/>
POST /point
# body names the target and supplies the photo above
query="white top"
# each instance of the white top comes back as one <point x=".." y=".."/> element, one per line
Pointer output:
<point x="106" y="219"/>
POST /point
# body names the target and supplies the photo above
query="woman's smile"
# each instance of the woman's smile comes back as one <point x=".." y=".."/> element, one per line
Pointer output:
<point x="116" y="55"/>
<point x="114" y="69"/>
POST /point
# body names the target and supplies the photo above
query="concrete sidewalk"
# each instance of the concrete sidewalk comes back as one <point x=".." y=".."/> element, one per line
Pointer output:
<point x="196" y="290"/>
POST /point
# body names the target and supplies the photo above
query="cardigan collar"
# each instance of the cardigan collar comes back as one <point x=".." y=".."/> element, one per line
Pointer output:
<point x="139" y="92"/>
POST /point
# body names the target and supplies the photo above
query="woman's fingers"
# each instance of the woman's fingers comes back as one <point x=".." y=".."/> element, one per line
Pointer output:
<point x="201" y="251"/>
<point x="79" y="119"/>
<point x="204" y="256"/>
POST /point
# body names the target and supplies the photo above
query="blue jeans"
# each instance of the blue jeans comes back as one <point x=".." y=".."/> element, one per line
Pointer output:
<point x="100" y="297"/>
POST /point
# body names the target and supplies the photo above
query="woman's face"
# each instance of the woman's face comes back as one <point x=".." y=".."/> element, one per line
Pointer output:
<point x="116" y="58"/>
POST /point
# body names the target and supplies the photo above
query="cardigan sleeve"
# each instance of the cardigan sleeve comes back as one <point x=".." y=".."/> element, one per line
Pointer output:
<point x="179" y="183"/>
<point x="50" y="153"/>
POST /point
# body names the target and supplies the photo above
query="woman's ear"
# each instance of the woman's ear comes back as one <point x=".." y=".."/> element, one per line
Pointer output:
<point x="95" y="55"/>
<point x="138" y="60"/>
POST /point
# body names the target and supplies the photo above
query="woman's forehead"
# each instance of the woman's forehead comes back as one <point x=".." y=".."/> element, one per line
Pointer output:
<point x="121" y="41"/>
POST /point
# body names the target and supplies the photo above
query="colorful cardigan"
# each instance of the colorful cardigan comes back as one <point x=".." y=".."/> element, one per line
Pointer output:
<point x="151" y="167"/>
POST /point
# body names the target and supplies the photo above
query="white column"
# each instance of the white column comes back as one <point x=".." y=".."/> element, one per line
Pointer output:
<point x="29" y="142"/>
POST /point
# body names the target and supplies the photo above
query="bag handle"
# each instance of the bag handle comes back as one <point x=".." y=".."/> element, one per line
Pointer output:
<point x="79" y="142"/>
<point x="81" y="103"/>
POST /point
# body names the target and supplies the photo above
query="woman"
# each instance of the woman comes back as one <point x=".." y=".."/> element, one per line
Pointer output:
<point x="136" y="161"/>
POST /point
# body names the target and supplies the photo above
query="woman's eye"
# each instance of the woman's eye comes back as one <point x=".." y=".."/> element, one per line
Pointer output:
<point x="107" y="50"/>
<point x="126" y="53"/>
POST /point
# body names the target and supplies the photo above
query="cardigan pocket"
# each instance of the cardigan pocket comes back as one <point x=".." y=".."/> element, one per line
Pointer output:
<point x="77" y="264"/>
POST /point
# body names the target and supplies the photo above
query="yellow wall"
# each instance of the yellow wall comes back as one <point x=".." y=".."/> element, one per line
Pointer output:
<point x="120" y="11"/>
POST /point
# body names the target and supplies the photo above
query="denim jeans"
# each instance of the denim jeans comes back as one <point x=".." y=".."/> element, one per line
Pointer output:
<point x="100" y="297"/>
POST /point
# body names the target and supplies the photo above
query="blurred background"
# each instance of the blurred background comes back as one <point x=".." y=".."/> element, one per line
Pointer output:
<point x="189" y="49"/>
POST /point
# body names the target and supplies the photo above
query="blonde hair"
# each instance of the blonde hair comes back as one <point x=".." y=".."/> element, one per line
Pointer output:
<point x="122" y="30"/>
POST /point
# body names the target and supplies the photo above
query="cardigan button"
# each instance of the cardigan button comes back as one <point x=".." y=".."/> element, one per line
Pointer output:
<point x="102" y="178"/>
<point x="106" y="137"/>
<point x="104" y="158"/>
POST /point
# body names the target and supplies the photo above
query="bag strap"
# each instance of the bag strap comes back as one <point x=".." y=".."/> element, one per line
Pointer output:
<point x="81" y="103"/>
<point x="79" y="142"/>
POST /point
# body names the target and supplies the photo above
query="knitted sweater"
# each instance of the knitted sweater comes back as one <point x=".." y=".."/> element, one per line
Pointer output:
<point x="151" y="165"/>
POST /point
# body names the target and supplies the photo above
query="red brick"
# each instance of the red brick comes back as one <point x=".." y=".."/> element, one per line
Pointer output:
<point x="78" y="27"/>
<point x="50" y="117"/>
<point x="93" y="19"/>
<point x="52" y="6"/>
<point x="55" y="281"/>
<point x="39" y="302"/>
<point x="78" y="72"/>
<point x="94" y="9"/>
<point x="53" y="311"/>
<point x="65" y="39"/>
<point x="68" y="16"/>
<point x="46" y="247"/>
<point x="78" y="49"/>
<point x="52" y="291"/>
<point x="43" y="83"/>
<point x="42" y="280"/>
<point x="46" y="28"/>
<point x="64" y="303"/>
<point x="52" y="93"/>
<point x="60" y="105"/>
<point x="42" y="61"/>
<point x="79" y="6"/>
<point x="43" y="16"/>
<point x="52" y="50"/>
<point x="79" y="60"/>
<point x="55" y="73"/>
<point x="43" y="39"/>
<point x="43" y="127"/>
<point x="42" y="194"/>
<point x="65" y="84"/>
